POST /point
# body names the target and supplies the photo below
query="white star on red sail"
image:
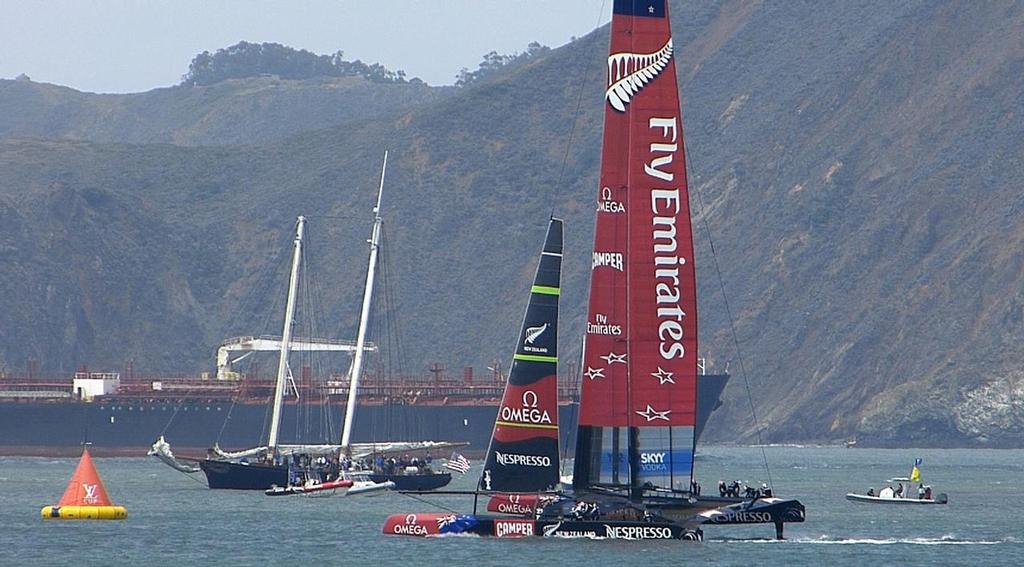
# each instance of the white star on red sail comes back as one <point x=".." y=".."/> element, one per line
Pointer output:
<point x="663" y="376"/>
<point x="594" y="373"/>
<point x="651" y="414"/>
<point x="612" y="358"/>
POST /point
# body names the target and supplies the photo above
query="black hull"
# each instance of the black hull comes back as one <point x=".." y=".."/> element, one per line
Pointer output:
<point x="414" y="482"/>
<point x="609" y="529"/>
<point x="426" y="525"/>
<point x="238" y="476"/>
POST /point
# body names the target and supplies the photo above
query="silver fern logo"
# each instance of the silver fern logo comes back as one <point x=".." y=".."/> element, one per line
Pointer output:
<point x="629" y="72"/>
<point x="534" y="333"/>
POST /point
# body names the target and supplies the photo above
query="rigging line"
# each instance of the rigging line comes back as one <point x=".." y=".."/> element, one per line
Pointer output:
<point x="261" y="281"/>
<point x="561" y="172"/>
<point x="398" y="358"/>
<point x="191" y="476"/>
<point x="735" y="337"/>
<point x="315" y="318"/>
<point x="579" y="104"/>
<point x="395" y="355"/>
<point x="426" y="502"/>
<point x="227" y="418"/>
<point x="263" y="277"/>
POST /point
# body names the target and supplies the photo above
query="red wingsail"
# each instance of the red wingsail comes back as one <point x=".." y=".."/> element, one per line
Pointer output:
<point x="638" y="404"/>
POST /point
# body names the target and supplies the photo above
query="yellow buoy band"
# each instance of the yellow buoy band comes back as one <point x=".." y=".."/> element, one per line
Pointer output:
<point x="84" y="513"/>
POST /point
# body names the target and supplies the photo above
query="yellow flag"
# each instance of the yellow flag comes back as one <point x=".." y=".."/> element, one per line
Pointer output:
<point x="915" y="474"/>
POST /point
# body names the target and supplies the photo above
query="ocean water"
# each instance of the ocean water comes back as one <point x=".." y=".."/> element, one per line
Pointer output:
<point x="173" y="519"/>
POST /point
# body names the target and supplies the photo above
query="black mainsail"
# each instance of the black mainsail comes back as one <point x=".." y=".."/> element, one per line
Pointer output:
<point x="523" y="452"/>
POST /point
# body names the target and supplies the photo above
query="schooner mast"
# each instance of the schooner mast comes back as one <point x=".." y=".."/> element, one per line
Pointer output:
<point x="357" y="360"/>
<point x="286" y="338"/>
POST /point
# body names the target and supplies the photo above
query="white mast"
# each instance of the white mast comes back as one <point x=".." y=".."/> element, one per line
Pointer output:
<point x="357" y="360"/>
<point x="286" y="338"/>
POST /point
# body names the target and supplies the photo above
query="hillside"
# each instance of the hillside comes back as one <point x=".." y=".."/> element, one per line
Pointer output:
<point x="236" y="111"/>
<point x="859" y="169"/>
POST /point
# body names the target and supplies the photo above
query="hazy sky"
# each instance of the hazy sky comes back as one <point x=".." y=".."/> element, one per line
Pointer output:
<point x="129" y="46"/>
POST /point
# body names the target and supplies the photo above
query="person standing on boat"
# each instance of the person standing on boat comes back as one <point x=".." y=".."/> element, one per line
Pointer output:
<point x="899" y="490"/>
<point x="920" y="492"/>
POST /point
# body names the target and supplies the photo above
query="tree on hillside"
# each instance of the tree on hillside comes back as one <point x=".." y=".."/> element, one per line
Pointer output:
<point x="494" y="62"/>
<point x="246" y="59"/>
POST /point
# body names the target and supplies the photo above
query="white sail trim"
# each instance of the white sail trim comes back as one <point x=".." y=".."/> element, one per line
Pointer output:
<point x="367" y="449"/>
<point x="161" y="449"/>
<point x="235" y="455"/>
<point x="629" y="72"/>
<point x="358" y="450"/>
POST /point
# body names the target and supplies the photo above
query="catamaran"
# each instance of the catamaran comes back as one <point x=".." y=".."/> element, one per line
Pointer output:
<point x="633" y="468"/>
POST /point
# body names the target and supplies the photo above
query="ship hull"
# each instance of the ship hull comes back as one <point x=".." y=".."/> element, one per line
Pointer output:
<point x="130" y="426"/>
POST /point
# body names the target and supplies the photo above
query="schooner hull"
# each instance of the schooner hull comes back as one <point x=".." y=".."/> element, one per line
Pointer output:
<point x="240" y="476"/>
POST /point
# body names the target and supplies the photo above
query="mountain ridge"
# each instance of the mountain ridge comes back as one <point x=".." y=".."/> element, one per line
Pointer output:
<point x="856" y="167"/>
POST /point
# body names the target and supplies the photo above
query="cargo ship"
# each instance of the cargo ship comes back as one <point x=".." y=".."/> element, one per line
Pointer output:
<point x="122" y="414"/>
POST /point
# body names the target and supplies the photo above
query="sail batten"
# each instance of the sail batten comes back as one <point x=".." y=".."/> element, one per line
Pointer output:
<point x="523" y="452"/>
<point x="638" y="399"/>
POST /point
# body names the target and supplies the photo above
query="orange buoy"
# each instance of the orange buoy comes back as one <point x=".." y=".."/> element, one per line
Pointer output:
<point x="85" y="497"/>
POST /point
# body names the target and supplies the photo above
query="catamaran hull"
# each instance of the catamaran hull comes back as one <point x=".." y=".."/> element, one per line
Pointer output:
<point x="239" y="476"/>
<point x="776" y="511"/>
<point x="427" y="525"/>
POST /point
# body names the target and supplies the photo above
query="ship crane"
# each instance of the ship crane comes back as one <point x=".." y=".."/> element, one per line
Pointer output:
<point x="269" y="343"/>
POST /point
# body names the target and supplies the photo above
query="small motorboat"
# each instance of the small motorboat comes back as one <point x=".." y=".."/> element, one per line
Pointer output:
<point x="369" y="487"/>
<point x="310" y="487"/>
<point x="888" y="495"/>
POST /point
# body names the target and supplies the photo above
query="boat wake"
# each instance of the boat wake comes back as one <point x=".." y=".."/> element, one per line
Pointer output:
<point x="829" y="540"/>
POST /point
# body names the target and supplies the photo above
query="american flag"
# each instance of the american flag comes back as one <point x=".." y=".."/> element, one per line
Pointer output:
<point x="457" y="463"/>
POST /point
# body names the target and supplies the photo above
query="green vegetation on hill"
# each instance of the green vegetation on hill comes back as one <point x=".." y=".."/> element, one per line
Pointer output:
<point x="246" y="60"/>
<point x="494" y="63"/>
